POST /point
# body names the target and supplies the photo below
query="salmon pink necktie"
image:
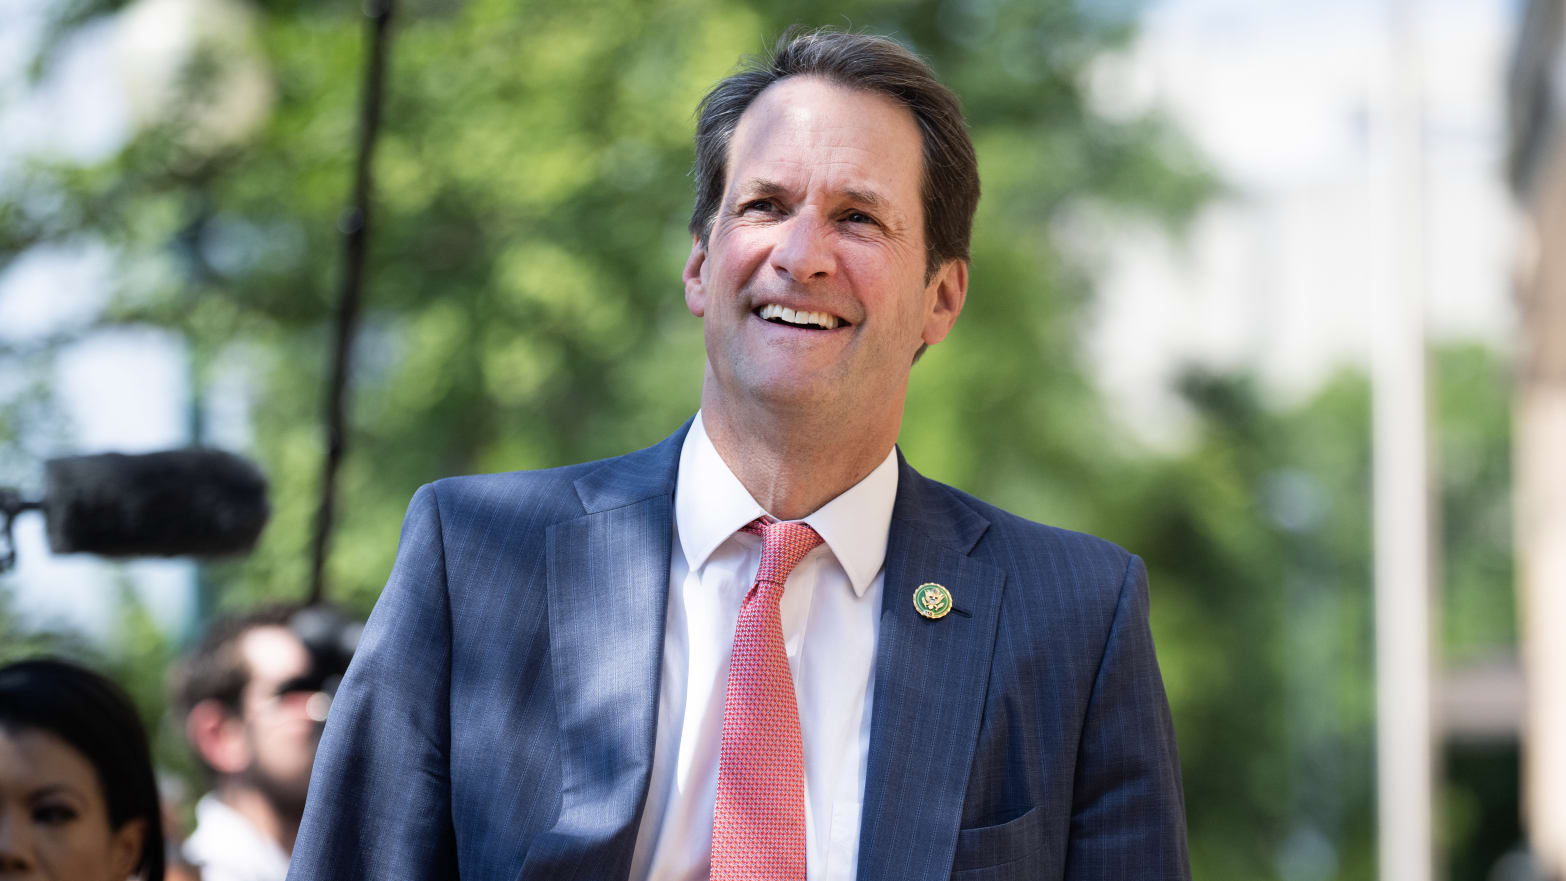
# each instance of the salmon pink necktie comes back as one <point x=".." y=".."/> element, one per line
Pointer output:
<point x="758" y="829"/>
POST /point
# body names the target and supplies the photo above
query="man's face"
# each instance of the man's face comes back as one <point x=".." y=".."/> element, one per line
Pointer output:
<point x="279" y="726"/>
<point x="812" y="285"/>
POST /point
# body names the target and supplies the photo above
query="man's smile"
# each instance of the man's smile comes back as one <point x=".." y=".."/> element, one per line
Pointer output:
<point x="800" y="318"/>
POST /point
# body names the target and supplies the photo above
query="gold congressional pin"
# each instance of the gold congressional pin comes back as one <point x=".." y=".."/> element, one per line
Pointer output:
<point x="932" y="600"/>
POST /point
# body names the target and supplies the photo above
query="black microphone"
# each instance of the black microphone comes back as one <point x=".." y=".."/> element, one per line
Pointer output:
<point x="194" y="502"/>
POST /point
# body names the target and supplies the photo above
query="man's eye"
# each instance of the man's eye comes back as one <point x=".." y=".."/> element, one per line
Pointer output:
<point x="759" y="205"/>
<point x="54" y="815"/>
<point x="858" y="217"/>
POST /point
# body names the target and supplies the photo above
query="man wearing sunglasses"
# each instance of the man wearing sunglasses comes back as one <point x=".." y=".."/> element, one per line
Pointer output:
<point x="254" y="695"/>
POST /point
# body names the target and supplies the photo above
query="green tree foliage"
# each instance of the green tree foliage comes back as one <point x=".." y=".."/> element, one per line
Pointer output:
<point x="1258" y="538"/>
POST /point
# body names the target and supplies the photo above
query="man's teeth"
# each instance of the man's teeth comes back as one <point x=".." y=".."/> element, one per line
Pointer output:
<point x="799" y="318"/>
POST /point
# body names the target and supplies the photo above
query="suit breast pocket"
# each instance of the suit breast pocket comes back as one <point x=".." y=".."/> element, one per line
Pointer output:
<point x="1013" y="849"/>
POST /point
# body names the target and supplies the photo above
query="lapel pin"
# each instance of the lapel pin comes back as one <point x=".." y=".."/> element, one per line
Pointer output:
<point x="932" y="600"/>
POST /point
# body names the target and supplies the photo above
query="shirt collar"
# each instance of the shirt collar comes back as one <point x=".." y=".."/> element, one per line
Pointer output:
<point x="710" y="505"/>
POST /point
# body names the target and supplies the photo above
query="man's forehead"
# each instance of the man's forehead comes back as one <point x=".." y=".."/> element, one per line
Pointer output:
<point x="273" y="654"/>
<point x="866" y="144"/>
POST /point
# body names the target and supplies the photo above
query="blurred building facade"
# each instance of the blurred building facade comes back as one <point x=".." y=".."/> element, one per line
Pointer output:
<point x="1537" y="170"/>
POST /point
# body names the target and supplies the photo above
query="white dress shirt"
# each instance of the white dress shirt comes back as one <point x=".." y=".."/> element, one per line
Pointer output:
<point x="226" y="847"/>
<point x="830" y="612"/>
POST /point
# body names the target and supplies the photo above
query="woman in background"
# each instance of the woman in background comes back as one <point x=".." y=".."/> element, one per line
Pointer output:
<point x="78" y="801"/>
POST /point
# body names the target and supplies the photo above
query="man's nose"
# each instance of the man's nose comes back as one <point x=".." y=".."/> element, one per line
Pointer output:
<point x="805" y="249"/>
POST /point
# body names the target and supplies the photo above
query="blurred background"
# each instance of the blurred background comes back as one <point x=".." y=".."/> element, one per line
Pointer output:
<point x="1257" y="286"/>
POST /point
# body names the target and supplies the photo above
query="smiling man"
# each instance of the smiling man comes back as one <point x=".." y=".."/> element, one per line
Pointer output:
<point x="765" y="648"/>
<point x="815" y="287"/>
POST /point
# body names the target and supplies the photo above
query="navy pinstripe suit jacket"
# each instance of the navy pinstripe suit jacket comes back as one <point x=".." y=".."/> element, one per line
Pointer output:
<point x="497" y="720"/>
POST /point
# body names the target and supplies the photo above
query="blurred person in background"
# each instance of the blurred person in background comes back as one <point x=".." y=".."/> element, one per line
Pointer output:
<point x="78" y="800"/>
<point x="253" y="695"/>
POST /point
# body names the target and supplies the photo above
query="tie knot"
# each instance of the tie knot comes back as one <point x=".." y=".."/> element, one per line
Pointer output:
<point x="783" y="545"/>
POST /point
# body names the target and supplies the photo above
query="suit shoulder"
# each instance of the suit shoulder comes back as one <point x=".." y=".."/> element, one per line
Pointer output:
<point x="1037" y="547"/>
<point x="546" y="494"/>
<point x="540" y="498"/>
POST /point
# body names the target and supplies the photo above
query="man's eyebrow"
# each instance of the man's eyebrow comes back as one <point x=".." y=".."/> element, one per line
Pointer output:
<point x="760" y="186"/>
<point x="868" y="198"/>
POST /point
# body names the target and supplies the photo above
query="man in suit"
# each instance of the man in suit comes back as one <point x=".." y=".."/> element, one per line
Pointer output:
<point x="765" y="648"/>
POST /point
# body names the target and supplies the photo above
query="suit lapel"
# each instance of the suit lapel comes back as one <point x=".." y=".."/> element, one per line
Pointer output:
<point x="931" y="678"/>
<point x="608" y="596"/>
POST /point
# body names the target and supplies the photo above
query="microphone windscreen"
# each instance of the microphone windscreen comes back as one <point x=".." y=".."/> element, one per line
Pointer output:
<point x="196" y="502"/>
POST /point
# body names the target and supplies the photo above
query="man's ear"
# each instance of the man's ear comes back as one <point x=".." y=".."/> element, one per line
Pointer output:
<point x="950" y="291"/>
<point x="125" y="846"/>
<point x="218" y="736"/>
<point x="694" y="276"/>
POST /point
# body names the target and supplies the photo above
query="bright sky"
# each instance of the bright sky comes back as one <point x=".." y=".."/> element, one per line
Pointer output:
<point x="1281" y="95"/>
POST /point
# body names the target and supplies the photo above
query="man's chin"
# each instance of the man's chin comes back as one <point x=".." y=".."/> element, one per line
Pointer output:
<point x="284" y="792"/>
<point x="803" y="395"/>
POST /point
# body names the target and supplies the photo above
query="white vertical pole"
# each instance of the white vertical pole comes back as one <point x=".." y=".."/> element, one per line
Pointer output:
<point x="1404" y="749"/>
<point x="1539" y="496"/>
<point x="1541" y="522"/>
